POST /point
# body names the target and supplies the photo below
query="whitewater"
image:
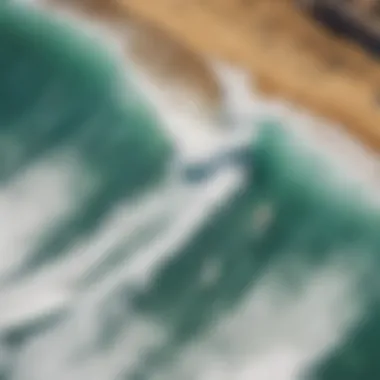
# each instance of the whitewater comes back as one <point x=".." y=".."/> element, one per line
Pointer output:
<point x="206" y="273"/>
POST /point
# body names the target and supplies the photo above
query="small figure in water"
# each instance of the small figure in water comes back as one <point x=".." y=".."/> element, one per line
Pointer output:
<point x="238" y="112"/>
<point x="240" y="157"/>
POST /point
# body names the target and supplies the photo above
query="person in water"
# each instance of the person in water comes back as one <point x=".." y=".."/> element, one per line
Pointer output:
<point x="233" y="157"/>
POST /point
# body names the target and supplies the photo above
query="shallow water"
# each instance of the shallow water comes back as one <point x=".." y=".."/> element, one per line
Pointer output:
<point x="118" y="262"/>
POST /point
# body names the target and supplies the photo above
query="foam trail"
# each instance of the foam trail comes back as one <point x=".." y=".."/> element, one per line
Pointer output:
<point x="29" y="203"/>
<point x="56" y="284"/>
<point x="136" y="272"/>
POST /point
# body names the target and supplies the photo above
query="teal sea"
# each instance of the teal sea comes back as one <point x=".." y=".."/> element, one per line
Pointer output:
<point x="138" y="244"/>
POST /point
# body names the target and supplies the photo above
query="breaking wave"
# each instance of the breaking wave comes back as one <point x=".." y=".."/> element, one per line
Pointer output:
<point x="138" y="243"/>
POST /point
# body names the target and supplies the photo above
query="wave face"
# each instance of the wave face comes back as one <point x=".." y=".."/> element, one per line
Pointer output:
<point x="129" y="253"/>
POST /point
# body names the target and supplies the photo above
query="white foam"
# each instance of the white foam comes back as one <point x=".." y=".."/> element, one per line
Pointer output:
<point x="31" y="204"/>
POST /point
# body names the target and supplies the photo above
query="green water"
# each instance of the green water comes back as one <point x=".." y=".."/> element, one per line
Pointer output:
<point x="288" y="263"/>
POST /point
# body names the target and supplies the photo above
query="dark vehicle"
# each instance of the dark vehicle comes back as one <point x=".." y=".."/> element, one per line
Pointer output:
<point x="358" y="20"/>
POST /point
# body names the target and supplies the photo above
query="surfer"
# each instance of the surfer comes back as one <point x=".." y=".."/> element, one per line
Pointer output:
<point x="239" y="157"/>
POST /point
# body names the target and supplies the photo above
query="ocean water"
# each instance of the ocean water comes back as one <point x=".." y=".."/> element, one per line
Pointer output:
<point x="139" y="242"/>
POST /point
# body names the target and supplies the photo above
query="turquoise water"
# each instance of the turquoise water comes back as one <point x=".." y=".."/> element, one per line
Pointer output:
<point x="121" y="258"/>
